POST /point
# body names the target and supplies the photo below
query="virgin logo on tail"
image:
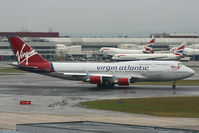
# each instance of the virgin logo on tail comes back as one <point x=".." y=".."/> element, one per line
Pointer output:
<point x="23" y="56"/>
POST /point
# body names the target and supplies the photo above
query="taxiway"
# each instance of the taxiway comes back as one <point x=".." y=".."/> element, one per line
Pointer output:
<point x="56" y="100"/>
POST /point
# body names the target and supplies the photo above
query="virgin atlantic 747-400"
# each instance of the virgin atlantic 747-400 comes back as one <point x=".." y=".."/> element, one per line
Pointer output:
<point x="102" y="74"/>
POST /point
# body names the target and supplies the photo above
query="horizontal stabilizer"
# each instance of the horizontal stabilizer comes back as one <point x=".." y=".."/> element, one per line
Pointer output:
<point x="21" y="66"/>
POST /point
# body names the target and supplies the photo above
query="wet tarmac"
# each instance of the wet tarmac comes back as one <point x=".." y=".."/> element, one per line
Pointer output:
<point x="61" y="97"/>
<point x="34" y="86"/>
<point x="38" y="85"/>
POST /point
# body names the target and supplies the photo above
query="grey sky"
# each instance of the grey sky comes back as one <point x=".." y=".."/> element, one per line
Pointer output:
<point x="87" y="17"/>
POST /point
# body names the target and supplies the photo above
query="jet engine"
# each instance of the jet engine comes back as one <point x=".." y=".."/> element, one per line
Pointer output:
<point x="95" y="80"/>
<point x="123" y="81"/>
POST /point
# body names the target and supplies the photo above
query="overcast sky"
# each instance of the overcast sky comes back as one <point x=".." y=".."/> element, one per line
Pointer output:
<point x="100" y="17"/>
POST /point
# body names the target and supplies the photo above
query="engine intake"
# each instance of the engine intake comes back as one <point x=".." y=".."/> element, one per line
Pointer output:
<point x="123" y="81"/>
<point x="95" y="79"/>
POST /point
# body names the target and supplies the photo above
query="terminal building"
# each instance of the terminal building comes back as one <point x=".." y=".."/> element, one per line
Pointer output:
<point x="46" y="49"/>
<point x="47" y="46"/>
<point x="173" y="35"/>
<point x="31" y="34"/>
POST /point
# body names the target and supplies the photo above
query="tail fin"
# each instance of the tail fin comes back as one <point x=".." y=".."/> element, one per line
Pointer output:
<point x="149" y="47"/>
<point x="151" y="42"/>
<point x="181" y="47"/>
<point x="26" y="56"/>
<point x="179" y="50"/>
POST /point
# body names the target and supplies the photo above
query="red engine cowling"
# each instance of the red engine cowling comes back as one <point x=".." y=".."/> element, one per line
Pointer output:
<point x="123" y="81"/>
<point x="95" y="79"/>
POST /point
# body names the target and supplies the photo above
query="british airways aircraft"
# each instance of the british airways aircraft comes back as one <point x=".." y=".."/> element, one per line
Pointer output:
<point x="102" y="74"/>
<point x="109" y="51"/>
<point x="176" y="54"/>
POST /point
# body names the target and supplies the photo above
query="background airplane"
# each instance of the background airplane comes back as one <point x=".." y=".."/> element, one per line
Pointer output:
<point x="188" y="51"/>
<point x="176" y="55"/>
<point x="102" y="74"/>
<point x="112" y="51"/>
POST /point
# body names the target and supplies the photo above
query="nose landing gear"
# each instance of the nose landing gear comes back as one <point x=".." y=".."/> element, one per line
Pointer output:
<point x="174" y="85"/>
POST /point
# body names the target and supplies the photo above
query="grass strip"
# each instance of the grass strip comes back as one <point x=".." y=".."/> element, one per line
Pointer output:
<point x="167" y="106"/>
<point x="11" y="69"/>
<point x="10" y="74"/>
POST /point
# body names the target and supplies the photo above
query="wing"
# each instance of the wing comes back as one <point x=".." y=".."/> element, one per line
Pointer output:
<point x="88" y="74"/>
<point x="111" y="77"/>
<point x="81" y="76"/>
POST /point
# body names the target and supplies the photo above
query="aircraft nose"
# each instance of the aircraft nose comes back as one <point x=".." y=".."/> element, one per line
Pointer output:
<point x="191" y="72"/>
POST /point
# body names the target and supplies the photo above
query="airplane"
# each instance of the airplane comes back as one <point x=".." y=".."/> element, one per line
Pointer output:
<point x="103" y="74"/>
<point x="112" y="51"/>
<point x="176" y="55"/>
<point x="188" y="51"/>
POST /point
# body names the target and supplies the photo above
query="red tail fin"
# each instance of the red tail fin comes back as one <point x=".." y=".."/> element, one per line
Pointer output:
<point x="181" y="47"/>
<point x="148" y="50"/>
<point x="152" y="41"/>
<point x="149" y="47"/>
<point x="26" y="56"/>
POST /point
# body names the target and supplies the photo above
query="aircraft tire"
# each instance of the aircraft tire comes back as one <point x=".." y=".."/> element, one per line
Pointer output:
<point x="173" y="86"/>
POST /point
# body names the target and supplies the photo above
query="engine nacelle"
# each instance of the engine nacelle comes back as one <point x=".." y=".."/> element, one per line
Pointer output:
<point x="123" y="81"/>
<point x="95" y="80"/>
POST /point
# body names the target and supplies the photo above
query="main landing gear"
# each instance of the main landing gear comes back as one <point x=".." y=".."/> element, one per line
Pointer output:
<point x="106" y="84"/>
<point x="174" y="85"/>
<point x="103" y="86"/>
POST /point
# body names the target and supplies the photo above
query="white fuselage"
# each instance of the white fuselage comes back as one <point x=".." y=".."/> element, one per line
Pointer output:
<point x="113" y="51"/>
<point x="191" y="51"/>
<point x="130" y="57"/>
<point x="144" y="70"/>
